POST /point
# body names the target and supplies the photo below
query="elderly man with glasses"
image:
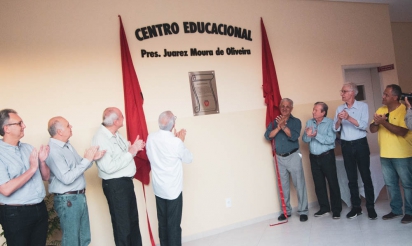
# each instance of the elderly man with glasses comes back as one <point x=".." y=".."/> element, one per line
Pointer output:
<point x="23" y="213"/>
<point x="395" y="143"/>
<point x="352" y="120"/>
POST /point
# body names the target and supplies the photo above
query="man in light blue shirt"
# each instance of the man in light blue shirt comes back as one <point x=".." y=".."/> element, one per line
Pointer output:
<point x="352" y="120"/>
<point x="321" y="138"/>
<point x="23" y="213"/>
<point x="68" y="184"/>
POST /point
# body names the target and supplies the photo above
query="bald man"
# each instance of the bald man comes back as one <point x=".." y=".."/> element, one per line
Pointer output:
<point x="117" y="169"/>
<point x="67" y="182"/>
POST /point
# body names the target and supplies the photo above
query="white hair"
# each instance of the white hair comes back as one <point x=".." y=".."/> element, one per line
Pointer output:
<point x="108" y="120"/>
<point x="166" y="121"/>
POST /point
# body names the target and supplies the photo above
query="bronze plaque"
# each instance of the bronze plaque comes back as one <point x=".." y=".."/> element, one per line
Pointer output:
<point x="204" y="93"/>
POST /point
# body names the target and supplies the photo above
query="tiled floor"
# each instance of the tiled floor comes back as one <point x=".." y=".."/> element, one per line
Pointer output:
<point x="318" y="231"/>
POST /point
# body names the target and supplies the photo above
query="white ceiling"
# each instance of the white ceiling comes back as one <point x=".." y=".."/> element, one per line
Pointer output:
<point x="399" y="10"/>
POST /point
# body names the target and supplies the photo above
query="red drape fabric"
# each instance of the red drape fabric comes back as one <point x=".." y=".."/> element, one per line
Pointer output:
<point x="135" y="119"/>
<point x="133" y="101"/>
<point x="272" y="96"/>
<point x="271" y="91"/>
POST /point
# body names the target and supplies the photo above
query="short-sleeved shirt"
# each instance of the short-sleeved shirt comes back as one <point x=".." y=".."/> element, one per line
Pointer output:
<point x="14" y="161"/>
<point x="392" y="145"/>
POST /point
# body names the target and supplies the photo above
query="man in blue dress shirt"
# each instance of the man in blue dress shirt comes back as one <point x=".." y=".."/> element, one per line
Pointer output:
<point x="321" y="138"/>
<point x="23" y="213"/>
<point x="286" y="131"/>
<point x="352" y="120"/>
<point x="68" y="184"/>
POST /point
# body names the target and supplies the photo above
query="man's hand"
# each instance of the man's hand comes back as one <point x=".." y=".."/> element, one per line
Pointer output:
<point x="99" y="154"/>
<point x="90" y="153"/>
<point x="281" y="122"/>
<point x="43" y="152"/>
<point x="34" y="159"/>
<point x="310" y="133"/>
<point x="137" y="146"/>
<point x="343" y="115"/>
<point x="180" y="134"/>
<point x="379" y="119"/>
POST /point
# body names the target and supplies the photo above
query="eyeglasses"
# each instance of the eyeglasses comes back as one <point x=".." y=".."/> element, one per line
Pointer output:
<point x="18" y="123"/>
<point x="343" y="91"/>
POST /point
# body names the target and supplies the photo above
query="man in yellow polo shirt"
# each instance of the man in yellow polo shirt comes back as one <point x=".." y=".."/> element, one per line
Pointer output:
<point x="395" y="143"/>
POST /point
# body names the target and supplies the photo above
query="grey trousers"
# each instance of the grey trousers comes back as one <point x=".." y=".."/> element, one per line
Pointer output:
<point x="292" y="165"/>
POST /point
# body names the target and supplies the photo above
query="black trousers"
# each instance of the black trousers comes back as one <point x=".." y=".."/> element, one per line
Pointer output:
<point x="24" y="225"/>
<point x="324" y="166"/>
<point x="356" y="156"/>
<point x="169" y="215"/>
<point x="121" y="198"/>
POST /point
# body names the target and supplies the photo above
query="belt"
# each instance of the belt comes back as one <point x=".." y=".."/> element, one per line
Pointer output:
<point x="71" y="192"/>
<point x="20" y="205"/>
<point x="322" y="154"/>
<point x="289" y="153"/>
<point x="354" y="141"/>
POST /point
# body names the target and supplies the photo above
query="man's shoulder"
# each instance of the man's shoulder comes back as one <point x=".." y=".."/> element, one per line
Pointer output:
<point x="293" y="118"/>
<point x="382" y="109"/>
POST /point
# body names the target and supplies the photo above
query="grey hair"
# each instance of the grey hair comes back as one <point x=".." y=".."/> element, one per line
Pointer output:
<point x="108" y="120"/>
<point x="287" y="100"/>
<point x="56" y="125"/>
<point x="4" y="118"/>
<point x="166" y="121"/>
<point x="353" y="87"/>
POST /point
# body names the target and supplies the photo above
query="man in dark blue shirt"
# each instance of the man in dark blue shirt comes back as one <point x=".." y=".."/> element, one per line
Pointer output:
<point x="285" y="131"/>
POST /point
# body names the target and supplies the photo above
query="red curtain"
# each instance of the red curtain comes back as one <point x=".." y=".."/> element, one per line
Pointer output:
<point x="133" y="100"/>
<point x="271" y="91"/>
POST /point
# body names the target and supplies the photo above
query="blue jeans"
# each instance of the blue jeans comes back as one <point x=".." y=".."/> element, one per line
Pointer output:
<point x="74" y="219"/>
<point x="169" y="215"/>
<point x="121" y="198"/>
<point x="394" y="169"/>
<point x="356" y="156"/>
<point x="24" y="225"/>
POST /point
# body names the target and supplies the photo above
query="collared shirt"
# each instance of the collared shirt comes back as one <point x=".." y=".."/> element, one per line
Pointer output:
<point x="359" y="111"/>
<point x="285" y="144"/>
<point x="325" y="136"/>
<point x="117" y="162"/>
<point x="14" y="161"/>
<point x="66" y="167"/>
<point x="166" y="154"/>
<point x="390" y="144"/>
<point x="408" y="118"/>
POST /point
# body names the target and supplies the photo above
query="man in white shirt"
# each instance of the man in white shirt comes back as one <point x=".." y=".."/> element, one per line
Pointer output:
<point x="166" y="152"/>
<point x="117" y="169"/>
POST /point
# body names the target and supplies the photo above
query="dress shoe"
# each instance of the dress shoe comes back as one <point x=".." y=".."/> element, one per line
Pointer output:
<point x="303" y="217"/>
<point x="355" y="212"/>
<point x="283" y="217"/>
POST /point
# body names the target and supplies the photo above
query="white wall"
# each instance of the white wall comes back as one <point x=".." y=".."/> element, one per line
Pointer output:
<point x="63" y="58"/>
